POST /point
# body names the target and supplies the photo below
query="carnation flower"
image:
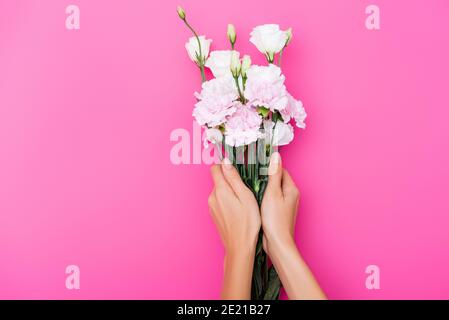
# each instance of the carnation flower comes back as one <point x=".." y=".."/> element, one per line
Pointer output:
<point x="216" y="101"/>
<point x="265" y="87"/>
<point x="279" y="133"/>
<point x="296" y="111"/>
<point x="243" y="127"/>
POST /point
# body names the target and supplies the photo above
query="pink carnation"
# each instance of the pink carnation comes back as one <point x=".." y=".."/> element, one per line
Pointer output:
<point x="296" y="111"/>
<point x="265" y="87"/>
<point x="243" y="127"/>
<point x="216" y="101"/>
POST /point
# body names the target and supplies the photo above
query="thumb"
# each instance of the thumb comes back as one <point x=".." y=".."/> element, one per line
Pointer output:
<point x="232" y="177"/>
<point x="275" y="173"/>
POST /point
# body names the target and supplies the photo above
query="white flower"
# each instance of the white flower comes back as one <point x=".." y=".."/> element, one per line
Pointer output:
<point x="296" y="111"/>
<point x="243" y="127"/>
<point x="216" y="101"/>
<point x="212" y="135"/>
<point x="219" y="62"/>
<point x="193" y="49"/>
<point x="279" y="134"/>
<point x="269" y="39"/>
<point x="265" y="87"/>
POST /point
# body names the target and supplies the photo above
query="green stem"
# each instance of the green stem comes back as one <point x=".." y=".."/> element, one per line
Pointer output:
<point x="280" y="57"/>
<point x="203" y="76"/>
<point x="200" y="56"/>
<point x="242" y="98"/>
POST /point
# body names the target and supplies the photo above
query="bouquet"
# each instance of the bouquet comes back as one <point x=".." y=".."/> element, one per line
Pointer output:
<point x="245" y="111"/>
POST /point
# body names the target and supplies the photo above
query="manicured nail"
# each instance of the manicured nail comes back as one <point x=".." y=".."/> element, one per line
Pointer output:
<point x="227" y="164"/>
<point x="275" y="160"/>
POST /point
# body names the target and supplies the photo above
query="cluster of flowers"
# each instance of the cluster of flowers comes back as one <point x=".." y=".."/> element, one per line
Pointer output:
<point x="244" y="102"/>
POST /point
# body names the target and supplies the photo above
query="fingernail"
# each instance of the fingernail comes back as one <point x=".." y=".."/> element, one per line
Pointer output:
<point x="275" y="160"/>
<point x="227" y="164"/>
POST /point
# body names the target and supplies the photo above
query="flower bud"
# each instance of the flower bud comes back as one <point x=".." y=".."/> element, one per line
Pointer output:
<point x="246" y="63"/>
<point x="231" y="33"/>
<point x="289" y="34"/>
<point x="181" y="13"/>
<point x="235" y="64"/>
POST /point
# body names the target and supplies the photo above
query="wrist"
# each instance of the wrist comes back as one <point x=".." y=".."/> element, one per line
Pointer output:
<point x="278" y="245"/>
<point x="245" y="246"/>
<point x="241" y="252"/>
<point x="239" y="261"/>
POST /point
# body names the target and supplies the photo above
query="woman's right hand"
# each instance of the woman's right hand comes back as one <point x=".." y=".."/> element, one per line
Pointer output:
<point x="278" y="213"/>
<point x="279" y="206"/>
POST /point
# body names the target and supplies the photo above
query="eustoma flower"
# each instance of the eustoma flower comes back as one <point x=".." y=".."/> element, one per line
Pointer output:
<point x="219" y="62"/>
<point x="193" y="49"/>
<point x="269" y="39"/>
<point x="279" y="133"/>
<point x="212" y="135"/>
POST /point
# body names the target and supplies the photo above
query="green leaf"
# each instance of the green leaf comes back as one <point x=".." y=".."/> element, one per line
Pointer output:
<point x="274" y="285"/>
<point x="277" y="117"/>
<point x="259" y="243"/>
<point x="256" y="292"/>
<point x="256" y="186"/>
<point x="263" y="111"/>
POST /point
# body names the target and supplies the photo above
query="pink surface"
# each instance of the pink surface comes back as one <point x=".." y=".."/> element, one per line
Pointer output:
<point x="85" y="171"/>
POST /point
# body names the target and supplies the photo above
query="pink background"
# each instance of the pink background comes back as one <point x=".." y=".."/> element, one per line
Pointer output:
<point x="85" y="172"/>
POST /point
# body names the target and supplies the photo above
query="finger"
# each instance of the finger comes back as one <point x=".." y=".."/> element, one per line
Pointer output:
<point x="289" y="187"/>
<point x="217" y="176"/>
<point x="233" y="178"/>
<point x="275" y="173"/>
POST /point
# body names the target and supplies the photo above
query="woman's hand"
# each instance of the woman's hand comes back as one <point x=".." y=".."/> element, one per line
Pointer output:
<point x="234" y="209"/>
<point x="236" y="214"/>
<point x="279" y="208"/>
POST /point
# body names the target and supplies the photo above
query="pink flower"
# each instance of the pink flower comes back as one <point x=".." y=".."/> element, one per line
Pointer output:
<point x="265" y="87"/>
<point x="296" y="111"/>
<point x="216" y="101"/>
<point x="243" y="127"/>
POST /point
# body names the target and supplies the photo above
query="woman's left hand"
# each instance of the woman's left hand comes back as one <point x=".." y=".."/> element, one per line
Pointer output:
<point x="236" y="214"/>
<point x="234" y="210"/>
